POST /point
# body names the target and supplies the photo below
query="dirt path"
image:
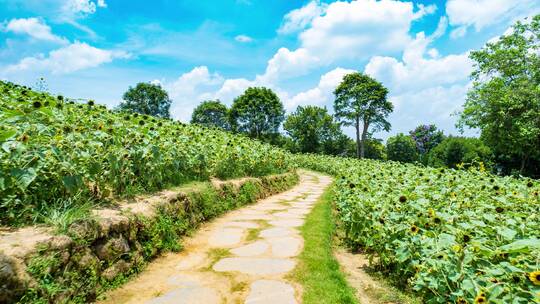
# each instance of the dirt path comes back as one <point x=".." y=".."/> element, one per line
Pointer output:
<point x="242" y="257"/>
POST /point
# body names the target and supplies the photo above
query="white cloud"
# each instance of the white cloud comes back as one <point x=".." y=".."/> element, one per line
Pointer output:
<point x="101" y="3"/>
<point x="424" y="10"/>
<point x="243" y="38"/>
<point x="482" y="13"/>
<point x="71" y="58"/>
<point x="287" y="64"/>
<point x="322" y="94"/>
<point x="33" y="27"/>
<point x="300" y="18"/>
<point x="415" y="71"/>
<point x="188" y="90"/>
<point x="360" y="29"/>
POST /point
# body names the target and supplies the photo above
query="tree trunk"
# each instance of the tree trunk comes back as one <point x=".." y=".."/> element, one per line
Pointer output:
<point x="358" y="143"/>
<point x="524" y="159"/>
<point x="364" y="137"/>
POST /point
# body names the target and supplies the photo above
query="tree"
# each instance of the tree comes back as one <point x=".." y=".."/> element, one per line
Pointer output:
<point x="211" y="113"/>
<point x="311" y="128"/>
<point x="459" y="150"/>
<point x="258" y="112"/>
<point x="504" y="102"/>
<point x="401" y="148"/>
<point x="361" y="99"/>
<point x="426" y="137"/>
<point x="147" y="98"/>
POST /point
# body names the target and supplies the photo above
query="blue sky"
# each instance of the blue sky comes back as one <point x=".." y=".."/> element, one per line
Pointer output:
<point x="201" y="50"/>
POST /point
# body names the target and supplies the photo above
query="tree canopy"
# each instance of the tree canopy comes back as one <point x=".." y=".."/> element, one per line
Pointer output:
<point x="258" y="113"/>
<point x="312" y="129"/>
<point x="147" y="98"/>
<point x="211" y="113"/>
<point x="504" y="102"/>
<point x="361" y="100"/>
<point x="401" y="148"/>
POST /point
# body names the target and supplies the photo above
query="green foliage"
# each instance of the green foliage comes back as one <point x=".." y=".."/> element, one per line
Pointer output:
<point x="361" y="99"/>
<point x="401" y="148"/>
<point x="147" y="99"/>
<point x="454" y="151"/>
<point x="53" y="150"/>
<point x="426" y="137"/>
<point x="504" y="101"/>
<point x="211" y="113"/>
<point x="312" y="129"/>
<point x="451" y="235"/>
<point x="258" y="113"/>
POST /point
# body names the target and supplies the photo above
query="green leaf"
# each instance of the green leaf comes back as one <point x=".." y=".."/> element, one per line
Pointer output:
<point x="507" y="233"/>
<point x="524" y="245"/>
<point x="23" y="177"/>
<point x="7" y="134"/>
<point x="72" y="182"/>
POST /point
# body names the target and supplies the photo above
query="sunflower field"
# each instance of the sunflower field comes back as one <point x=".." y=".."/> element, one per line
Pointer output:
<point x="55" y="149"/>
<point x="454" y="236"/>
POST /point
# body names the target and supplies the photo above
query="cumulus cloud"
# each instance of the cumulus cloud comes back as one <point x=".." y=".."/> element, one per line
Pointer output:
<point x="71" y="58"/>
<point x="482" y="13"/>
<point x="322" y="94"/>
<point x="287" y="64"/>
<point x="33" y="27"/>
<point x="300" y="18"/>
<point x="359" y="29"/>
<point x="243" y="38"/>
<point x="188" y="90"/>
<point x="416" y="71"/>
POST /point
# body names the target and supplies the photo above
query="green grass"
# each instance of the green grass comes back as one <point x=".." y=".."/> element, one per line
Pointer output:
<point x="317" y="269"/>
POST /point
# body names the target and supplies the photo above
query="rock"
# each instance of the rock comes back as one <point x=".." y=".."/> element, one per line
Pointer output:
<point x="84" y="230"/>
<point x="86" y="259"/>
<point x="11" y="284"/>
<point x="115" y="270"/>
<point x="112" y="249"/>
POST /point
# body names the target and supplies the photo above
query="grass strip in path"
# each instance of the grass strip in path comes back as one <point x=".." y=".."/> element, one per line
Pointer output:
<point x="317" y="270"/>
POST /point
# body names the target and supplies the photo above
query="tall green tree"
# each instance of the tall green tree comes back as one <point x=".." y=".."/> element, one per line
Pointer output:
<point x="361" y="102"/>
<point x="504" y="102"/>
<point x="258" y="113"/>
<point x="147" y="98"/>
<point x="426" y="137"/>
<point x="401" y="148"/>
<point x="453" y="151"/>
<point x="211" y="113"/>
<point x="312" y="129"/>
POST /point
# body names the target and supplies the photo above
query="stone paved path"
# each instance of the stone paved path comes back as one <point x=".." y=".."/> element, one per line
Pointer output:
<point x="242" y="257"/>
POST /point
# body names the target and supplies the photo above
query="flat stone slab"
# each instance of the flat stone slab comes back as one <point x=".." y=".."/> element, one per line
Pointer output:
<point x="183" y="280"/>
<point x="288" y="215"/>
<point x="226" y="237"/>
<point x="191" y="261"/>
<point x="253" y="249"/>
<point x="276" y="232"/>
<point x="249" y="217"/>
<point x="254" y="266"/>
<point x="188" y="295"/>
<point x="241" y="224"/>
<point x="285" y="247"/>
<point x="270" y="292"/>
<point x="300" y="211"/>
<point x="287" y="223"/>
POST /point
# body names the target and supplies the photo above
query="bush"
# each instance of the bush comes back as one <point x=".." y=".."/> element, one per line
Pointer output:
<point x="459" y="150"/>
<point x="401" y="148"/>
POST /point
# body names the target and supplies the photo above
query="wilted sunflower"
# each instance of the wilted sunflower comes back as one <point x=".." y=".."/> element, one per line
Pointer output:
<point x="91" y="102"/>
<point x="24" y="138"/>
<point x="530" y="184"/>
<point x="402" y="199"/>
<point x="499" y="209"/>
<point x="466" y="238"/>
<point x="36" y="104"/>
<point x="535" y="277"/>
<point x="496" y="188"/>
<point x="480" y="299"/>
<point x="141" y="122"/>
<point x="461" y="301"/>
